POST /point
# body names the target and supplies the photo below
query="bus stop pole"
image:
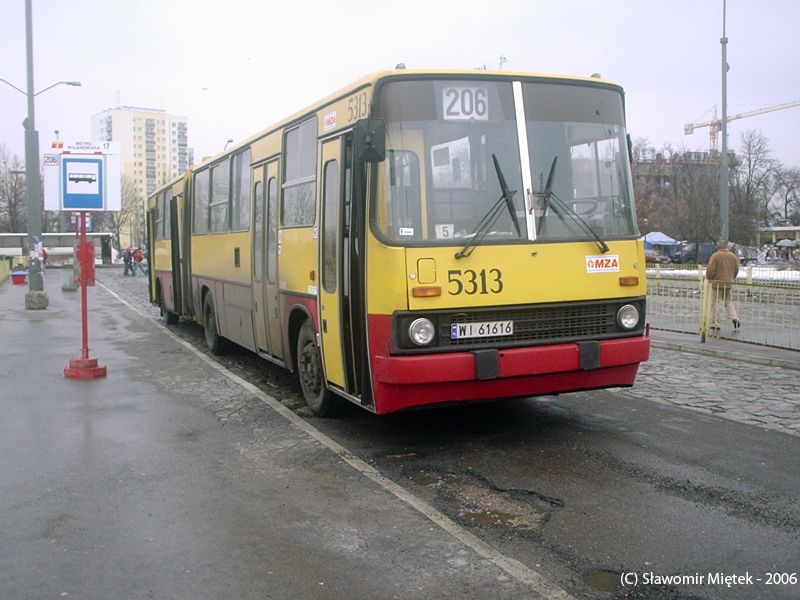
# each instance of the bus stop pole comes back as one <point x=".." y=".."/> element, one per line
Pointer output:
<point x="84" y="367"/>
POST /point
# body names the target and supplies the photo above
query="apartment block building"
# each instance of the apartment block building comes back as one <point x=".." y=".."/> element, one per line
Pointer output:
<point x="154" y="147"/>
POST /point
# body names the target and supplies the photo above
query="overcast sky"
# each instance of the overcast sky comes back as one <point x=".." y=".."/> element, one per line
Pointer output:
<point x="235" y="66"/>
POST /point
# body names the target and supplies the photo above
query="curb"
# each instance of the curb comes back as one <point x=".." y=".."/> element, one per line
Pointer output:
<point x="728" y="354"/>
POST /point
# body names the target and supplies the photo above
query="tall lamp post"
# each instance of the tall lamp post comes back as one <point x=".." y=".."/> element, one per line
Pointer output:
<point x="723" y="172"/>
<point x="35" y="298"/>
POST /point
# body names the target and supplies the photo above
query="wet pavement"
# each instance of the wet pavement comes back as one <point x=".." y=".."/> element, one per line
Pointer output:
<point x="157" y="481"/>
<point x="168" y="479"/>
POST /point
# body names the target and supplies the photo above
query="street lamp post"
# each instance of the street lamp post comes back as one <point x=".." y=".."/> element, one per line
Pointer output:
<point x="723" y="172"/>
<point x="36" y="298"/>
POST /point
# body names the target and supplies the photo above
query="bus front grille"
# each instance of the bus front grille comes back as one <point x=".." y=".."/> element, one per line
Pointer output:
<point x="533" y="325"/>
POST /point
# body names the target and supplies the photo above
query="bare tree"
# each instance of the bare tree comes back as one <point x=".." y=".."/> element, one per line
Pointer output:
<point x="696" y="198"/>
<point x="786" y="194"/>
<point x="13" y="214"/>
<point x="752" y="177"/>
<point x="677" y="192"/>
<point x="116" y="222"/>
<point x="651" y="181"/>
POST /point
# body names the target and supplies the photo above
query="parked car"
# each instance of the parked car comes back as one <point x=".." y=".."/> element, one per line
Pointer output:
<point x="651" y="256"/>
<point x="694" y="253"/>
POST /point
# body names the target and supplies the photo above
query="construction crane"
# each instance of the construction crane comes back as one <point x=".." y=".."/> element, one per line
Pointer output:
<point x="716" y="124"/>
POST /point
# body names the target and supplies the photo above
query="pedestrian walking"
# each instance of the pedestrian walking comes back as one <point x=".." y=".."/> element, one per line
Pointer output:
<point x="127" y="256"/>
<point x="721" y="271"/>
<point x="138" y="259"/>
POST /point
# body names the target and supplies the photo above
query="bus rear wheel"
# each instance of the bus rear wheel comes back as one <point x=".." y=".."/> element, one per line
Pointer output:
<point x="215" y="342"/>
<point x="310" y="373"/>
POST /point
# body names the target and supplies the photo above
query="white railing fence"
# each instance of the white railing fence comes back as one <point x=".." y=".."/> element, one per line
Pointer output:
<point x="767" y="300"/>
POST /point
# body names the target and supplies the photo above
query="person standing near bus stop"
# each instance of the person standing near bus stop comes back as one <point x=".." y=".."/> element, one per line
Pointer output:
<point x="127" y="257"/>
<point x="138" y="259"/>
<point x="721" y="271"/>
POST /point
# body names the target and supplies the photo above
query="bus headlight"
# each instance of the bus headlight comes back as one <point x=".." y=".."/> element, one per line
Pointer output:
<point x="628" y="317"/>
<point x="421" y="332"/>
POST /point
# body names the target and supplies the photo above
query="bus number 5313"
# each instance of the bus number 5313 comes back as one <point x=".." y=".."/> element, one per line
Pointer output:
<point x="473" y="282"/>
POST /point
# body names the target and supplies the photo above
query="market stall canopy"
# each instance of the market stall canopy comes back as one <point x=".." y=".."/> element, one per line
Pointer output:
<point x="656" y="238"/>
<point x="786" y="244"/>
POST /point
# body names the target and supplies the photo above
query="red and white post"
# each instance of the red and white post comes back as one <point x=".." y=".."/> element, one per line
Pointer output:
<point x="84" y="367"/>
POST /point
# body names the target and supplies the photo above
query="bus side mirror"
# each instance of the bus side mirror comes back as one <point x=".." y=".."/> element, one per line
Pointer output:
<point x="371" y="140"/>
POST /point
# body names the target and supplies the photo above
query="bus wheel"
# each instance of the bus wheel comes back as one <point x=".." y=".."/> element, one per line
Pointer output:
<point x="170" y="317"/>
<point x="215" y="342"/>
<point x="309" y="372"/>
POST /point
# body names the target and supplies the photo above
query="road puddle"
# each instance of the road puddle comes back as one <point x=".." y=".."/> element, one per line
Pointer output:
<point x="402" y="458"/>
<point x="426" y="479"/>
<point x="491" y="518"/>
<point x="600" y="579"/>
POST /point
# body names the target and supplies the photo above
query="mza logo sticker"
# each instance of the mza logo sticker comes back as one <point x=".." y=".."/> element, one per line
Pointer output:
<point x="602" y="264"/>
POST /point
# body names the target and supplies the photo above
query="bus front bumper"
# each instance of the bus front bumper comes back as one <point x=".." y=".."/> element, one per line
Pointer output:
<point x="407" y="381"/>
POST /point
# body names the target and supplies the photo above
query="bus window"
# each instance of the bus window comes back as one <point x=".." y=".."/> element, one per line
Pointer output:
<point x="166" y="216"/>
<point x="258" y="233"/>
<point x="272" y="238"/>
<point x="330" y="222"/>
<point x="201" y="202"/>
<point x="220" y="192"/>
<point x="403" y="218"/>
<point x="584" y="129"/>
<point x="158" y="220"/>
<point x="455" y="127"/>
<point x="299" y="201"/>
<point x="240" y="192"/>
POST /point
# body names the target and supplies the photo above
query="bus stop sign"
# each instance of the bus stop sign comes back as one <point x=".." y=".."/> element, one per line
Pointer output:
<point x="82" y="176"/>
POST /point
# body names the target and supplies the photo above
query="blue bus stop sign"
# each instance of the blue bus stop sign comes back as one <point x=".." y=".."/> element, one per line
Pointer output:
<point x="82" y="183"/>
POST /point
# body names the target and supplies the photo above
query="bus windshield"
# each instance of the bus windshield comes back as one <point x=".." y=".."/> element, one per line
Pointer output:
<point x="495" y="161"/>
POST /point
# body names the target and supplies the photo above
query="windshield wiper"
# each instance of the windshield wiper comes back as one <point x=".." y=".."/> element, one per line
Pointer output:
<point x="508" y="196"/>
<point x="548" y="189"/>
<point x="489" y="219"/>
<point x="562" y="209"/>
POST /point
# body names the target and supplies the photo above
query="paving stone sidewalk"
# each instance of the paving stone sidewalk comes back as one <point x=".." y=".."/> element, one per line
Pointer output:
<point x="765" y="396"/>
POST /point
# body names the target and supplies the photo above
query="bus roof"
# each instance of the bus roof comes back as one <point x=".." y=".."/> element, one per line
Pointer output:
<point x="371" y="79"/>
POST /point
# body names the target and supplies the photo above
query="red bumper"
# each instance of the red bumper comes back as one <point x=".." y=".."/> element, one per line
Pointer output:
<point x="406" y="381"/>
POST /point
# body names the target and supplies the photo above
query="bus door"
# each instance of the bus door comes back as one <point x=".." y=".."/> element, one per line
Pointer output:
<point x="175" y="249"/>
<point x="151" y="250"/>
<point x="337" y="324"/>
<point x="265" y="259"/>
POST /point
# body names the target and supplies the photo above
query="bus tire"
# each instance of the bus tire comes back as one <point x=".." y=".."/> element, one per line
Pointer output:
<point x="215" y="342"/>
<point x="310" y="373"/>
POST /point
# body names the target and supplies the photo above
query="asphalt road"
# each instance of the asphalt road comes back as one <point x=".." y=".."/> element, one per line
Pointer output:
<point x="569" y="496"/>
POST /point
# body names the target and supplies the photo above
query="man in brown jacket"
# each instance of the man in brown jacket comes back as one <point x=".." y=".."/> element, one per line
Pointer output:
<point x="721" y="271"/>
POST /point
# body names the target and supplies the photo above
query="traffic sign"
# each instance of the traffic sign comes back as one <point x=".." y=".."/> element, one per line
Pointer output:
<point x="82" y="183"/>
<point x="82" y="176"/>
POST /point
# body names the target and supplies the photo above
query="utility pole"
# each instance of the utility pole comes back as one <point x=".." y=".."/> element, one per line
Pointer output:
<point x="36" y="298"/>
<point x="723" y="171"/>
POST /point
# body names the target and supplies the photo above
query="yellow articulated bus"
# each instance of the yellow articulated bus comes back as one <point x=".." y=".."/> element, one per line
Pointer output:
<point x="418" y="238"/>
